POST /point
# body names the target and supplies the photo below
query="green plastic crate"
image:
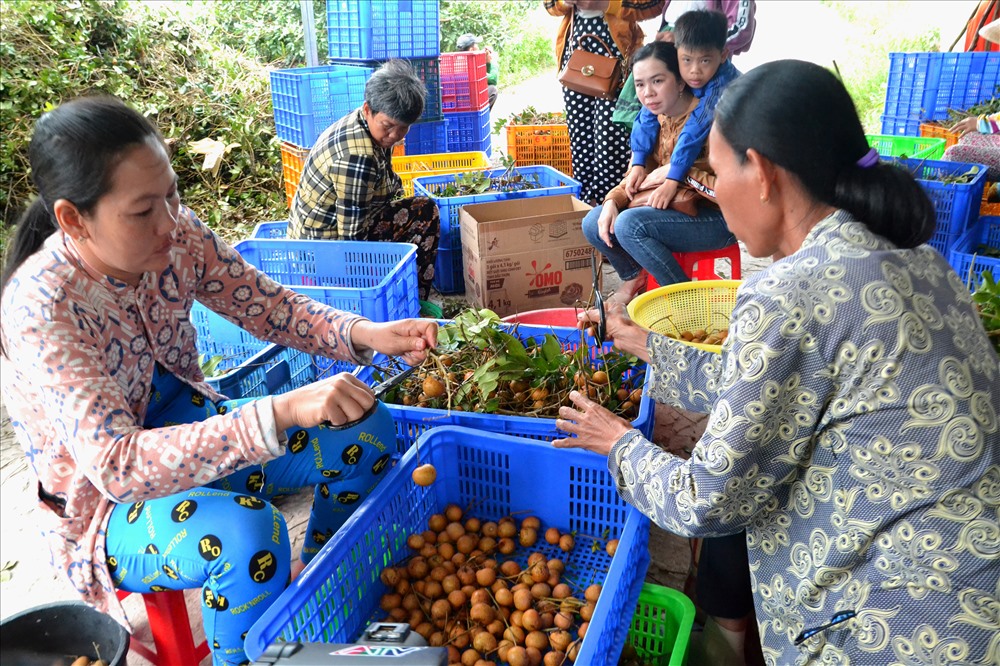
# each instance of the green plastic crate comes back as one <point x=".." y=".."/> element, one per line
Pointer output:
<point x="661" y="627"/>
<point x="915" y="147"/>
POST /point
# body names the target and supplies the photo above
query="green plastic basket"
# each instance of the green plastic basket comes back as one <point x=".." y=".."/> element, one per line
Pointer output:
<point x="661" y="627"/>
<point x="914" y="147"/>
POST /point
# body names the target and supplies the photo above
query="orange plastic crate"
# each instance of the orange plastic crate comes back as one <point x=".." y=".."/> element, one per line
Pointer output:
<point x="292" y="160"/>
<point x="532" y="145"/>
<point x="935" y="130"/>
<point x="399" y="149"/>
<point x="987" y="208"/>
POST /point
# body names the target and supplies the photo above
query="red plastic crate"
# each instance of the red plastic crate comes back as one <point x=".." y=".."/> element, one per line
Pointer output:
<point x="463" y="81"/>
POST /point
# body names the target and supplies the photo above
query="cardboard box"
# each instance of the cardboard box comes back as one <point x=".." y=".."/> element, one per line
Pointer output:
<point x="526" y="254"/>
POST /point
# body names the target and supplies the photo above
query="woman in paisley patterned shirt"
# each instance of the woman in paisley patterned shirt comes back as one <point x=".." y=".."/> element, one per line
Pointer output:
<point x="147" y="479"/>
<point x="854" y="426"/>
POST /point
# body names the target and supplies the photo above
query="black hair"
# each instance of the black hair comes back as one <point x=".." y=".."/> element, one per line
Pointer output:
<point x="800" y="117"/>
<point x="73" y="150"/>
<point x="701" y="29"/>
<point x="396" y="90"/>
<point x="665" y="52"/>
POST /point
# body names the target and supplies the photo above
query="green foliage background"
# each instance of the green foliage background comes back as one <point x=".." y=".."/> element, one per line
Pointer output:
<point x="199" y="70"/>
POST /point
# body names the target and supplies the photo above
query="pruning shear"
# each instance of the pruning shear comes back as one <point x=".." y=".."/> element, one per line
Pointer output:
<point x="602" y="326"/>
<point x="379" y="390"/>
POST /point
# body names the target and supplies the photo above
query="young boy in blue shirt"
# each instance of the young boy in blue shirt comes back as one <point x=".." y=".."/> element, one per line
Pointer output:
<point x="700" y="38"/>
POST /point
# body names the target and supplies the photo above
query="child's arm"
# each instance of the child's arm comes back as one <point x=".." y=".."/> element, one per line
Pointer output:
<point x="695" y="131"/>
<point x="645" y="129"/>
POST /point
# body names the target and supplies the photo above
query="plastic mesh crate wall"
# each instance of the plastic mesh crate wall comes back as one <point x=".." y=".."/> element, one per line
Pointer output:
<point x="661" y="626"/>
<point x="499" y="476"/>
<point x="469" y="131"/>
<point x="937" y="131"/>
<point x="910" y="146"/>
<point x="923" y="86"/>
<point x="967" y="257"/>
<point x="276" y="229"/>
<point x="549" y="182"/>
<point x="424" y="138"/>
<point x="413" y="422"/>
<point x="426" y="69"/>
<point x="307" y="100"/>
<point x="374" y="279"/>
<point x="382" y="29"/>
<point x="293" y="159"/>
<point x="463" y="81"/>
<point x="408" y="167"/>
<point x="540" y="144"/>
<point x="956" y="205"/>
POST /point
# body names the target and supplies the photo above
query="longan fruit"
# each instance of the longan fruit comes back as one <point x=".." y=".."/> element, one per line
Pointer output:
<point x="487" y="544"/>
<point x="507" y="530"/>
<point x="540" y="394"/>
<point x="587" y="611"/>
<point x="424" y="475"/>
<point x="466" y="543"/>
<point x="515" y="635"/>
<point x="503" y="649"/>
<point x="592" y="593"/>
<point x="455" y="531"/>
<point x="517" y="656"/>
<point x="528" y="536"/>
<point x="611" y="547"/>
<point x="504" y="598"/>
<point x="473" y="525"/>
<point x="566" y="543"/>
<point x="554" y="658"/>
<point x="453" y="513"/>
<point x="534" y="656"/>
<point x="539" y="573"/>
<point x="561" y="591"/>
<point x="563" y="620"/>
<point x="506" y="546"/>
<point x="437" y="522"/>
<point x="470" y="657"/>
<point x="599" y="377"/>
<point x="552" y="536"/>
<point x="432" y="387"/>
<point x="457" y="599"/>
<point x="484" y="642"/>
<point x="560" y="640"/>
<point x="573" y="651"/>
<point x="510" y="568"/>
<point x="486" y="576"/>
<point x="496" y="627"/>
<point x="390" y="601"/>
<point x="483" y="613"/>
<point x="531" y="620"/>
<point x="556" y="565"/>
<point x="523" y="599"/>
<point x="537" y="640"/>
<point x="541" y="590"/>
<point x="489" y="529"/>
<point x="389" y="576"/>
<point x="446" y="550"/>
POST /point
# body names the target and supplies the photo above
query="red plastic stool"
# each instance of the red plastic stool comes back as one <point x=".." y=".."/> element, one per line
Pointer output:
<point x="171" y="629"/>
<point x="701" y="265"/>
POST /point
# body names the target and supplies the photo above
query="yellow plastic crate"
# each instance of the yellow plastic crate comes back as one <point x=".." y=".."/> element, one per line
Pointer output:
<point x="687" y="306"/>
<point x="408" y="167"/>
<point x="292" y="160"/>
<point x="531" y="145"/>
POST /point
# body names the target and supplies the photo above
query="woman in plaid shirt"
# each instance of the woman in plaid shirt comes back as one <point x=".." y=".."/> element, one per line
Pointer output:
<point x="348" y="189"/>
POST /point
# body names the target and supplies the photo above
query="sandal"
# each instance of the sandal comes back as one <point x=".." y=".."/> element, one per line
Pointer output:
<point x="631" y="288"/>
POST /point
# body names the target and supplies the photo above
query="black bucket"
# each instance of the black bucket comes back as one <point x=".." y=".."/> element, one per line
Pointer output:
<point x="58" y="633"/>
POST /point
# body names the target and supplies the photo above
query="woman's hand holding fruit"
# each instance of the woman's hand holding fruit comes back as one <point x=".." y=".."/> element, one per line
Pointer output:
<point x="596" y="428"/>
<point x="409" y="339"/>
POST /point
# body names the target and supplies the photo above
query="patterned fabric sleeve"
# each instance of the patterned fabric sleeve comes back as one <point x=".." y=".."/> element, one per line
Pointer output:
<point x="989" y="123"/>
<point x="766" y="409"/>
<point x="355" y="179"/>
<point x="90" y="416"/>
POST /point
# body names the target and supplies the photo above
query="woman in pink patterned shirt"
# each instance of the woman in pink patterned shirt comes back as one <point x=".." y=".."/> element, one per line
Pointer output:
<point x="95" y="313"/>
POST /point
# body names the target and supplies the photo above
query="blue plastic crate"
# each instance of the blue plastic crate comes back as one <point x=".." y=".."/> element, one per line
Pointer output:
<point x="276" y="369"/>
<point x="900" y="126"/>
<point x="382" y="29"/>
<point x="924" y="86"/>
<point x="427" y="70"/>
<point x="469" y="130"/>
<point x="307" y="100"/>
<point x="413" y="422"/>
<point x="956" y="205"/>
<point x="276" y="229"/>
<point x="970" y="263"/>
<point x="549" y="182"/>
<point x="374" y="279"/>
<point x="338" y="593"/>
<point x="426" y="138"/>
<point x="449" y="271"/>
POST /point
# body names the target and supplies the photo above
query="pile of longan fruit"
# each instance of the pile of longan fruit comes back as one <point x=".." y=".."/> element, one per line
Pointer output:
<point x="458" y="591"/>
<point x="701" y="336"/>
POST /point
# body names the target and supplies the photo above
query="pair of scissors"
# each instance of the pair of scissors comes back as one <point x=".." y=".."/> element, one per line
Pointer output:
<point x="602" y="325"/>
<point x="379" y="390"/>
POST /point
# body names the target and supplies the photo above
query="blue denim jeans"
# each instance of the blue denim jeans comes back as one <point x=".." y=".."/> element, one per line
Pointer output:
<point x="647" y="237"/>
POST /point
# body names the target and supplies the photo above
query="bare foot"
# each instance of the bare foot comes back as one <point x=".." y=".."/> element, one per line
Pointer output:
<point x="630" y="289"/>
<point x="297" y="567"/>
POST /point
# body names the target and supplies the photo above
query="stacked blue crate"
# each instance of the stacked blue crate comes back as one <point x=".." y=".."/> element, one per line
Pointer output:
<point x="363" y="34"/>
<point x="924" y="86"/>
